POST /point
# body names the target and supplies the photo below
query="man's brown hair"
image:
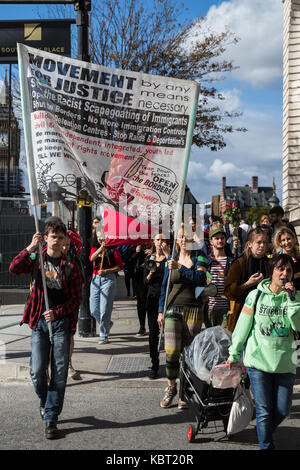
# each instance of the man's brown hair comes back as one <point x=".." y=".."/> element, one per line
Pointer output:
<point x="55" y="226"/>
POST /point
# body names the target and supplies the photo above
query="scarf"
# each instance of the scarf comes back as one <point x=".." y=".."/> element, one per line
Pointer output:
<point x="257" y="265"/>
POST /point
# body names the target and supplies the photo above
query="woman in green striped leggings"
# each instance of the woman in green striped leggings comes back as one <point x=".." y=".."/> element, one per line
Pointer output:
<point x="183" y="318"/>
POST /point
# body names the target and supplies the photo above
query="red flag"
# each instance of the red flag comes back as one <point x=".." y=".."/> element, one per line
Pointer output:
<point x="130" y="223"/>
<point x="124" y="230"/>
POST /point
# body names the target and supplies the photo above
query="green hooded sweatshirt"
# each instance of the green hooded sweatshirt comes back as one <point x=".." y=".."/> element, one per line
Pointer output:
<point x="271" y="345"/>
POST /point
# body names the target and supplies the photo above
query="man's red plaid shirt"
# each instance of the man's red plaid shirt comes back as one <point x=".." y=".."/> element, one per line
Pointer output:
<point x="24" y="264"/>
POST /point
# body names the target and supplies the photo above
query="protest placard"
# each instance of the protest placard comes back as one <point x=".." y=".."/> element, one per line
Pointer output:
<point x="125" y="135"/>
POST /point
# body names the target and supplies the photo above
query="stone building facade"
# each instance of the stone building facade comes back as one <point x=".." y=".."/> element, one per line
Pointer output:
<point x="247" y="196"/>
<point x="9" y="131"/>
<point x="291" y="111"/>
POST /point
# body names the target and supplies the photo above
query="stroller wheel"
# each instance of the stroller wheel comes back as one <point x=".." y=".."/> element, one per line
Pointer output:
<point x="191" y="433"/>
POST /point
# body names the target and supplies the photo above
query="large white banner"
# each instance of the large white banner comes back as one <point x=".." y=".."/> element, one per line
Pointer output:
<point x="125" y="136"/>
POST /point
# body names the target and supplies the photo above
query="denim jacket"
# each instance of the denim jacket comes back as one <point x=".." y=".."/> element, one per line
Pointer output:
<point x="196" y="275"/>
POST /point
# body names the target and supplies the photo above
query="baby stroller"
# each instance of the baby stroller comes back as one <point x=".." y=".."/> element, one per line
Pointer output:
<point x="206" y="384"/>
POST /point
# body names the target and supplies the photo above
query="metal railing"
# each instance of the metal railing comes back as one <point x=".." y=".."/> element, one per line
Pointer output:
<point x="16" y="233"/>
<point x="15" y="181"/>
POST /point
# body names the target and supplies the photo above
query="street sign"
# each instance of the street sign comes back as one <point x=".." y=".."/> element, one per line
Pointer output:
<point x="48" y="35"/>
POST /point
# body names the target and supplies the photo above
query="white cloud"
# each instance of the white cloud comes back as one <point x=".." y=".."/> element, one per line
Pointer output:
<point x="195" y="169"/>
<point x="258" y="25"/>
<point x="205" y="184"/>
<point x="218" y="169"/>
<point x="257" y="152"/>
<point x="232" y="101"/>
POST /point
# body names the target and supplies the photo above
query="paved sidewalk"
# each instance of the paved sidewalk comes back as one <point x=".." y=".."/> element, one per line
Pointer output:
<point x="125" y="356"/>
<point x="114" y="405"/>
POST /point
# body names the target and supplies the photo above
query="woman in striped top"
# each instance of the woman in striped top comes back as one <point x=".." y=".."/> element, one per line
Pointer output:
<point x="219" y="263"/>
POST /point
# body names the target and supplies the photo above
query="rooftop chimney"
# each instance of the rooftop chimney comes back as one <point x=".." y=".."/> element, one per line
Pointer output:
<point x="254" y="183"/>
<point x="223" y="183"/>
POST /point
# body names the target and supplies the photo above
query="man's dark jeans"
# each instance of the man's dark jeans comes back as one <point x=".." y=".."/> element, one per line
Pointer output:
<point x="52" y="395"/>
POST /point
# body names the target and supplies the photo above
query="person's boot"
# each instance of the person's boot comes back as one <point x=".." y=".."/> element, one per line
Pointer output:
<point x="182" y="405"/>
<point x="154" y="369"/>
<point x="42" y="409"/>
<point x="170" y="393"/>
<point x="72" y="373"/>
<point x="141" y="332"/>
<point x="153" y="374"/>
<point x="51" y="431"/>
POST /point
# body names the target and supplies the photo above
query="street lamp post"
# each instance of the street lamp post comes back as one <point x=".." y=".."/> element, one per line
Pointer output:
<point x="82" y="21"/>
<point x="86" y="324"/>
<point x="9" y="133"/>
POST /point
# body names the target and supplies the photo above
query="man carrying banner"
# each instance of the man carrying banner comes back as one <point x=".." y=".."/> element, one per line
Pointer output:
<point x="64" y="290"/>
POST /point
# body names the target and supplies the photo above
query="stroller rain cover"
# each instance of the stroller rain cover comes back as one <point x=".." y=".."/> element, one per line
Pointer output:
<point x="208" y="349"/>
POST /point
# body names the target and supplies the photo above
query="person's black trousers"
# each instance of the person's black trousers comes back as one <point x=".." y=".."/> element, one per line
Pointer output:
<point x="141" y="298"/>
<point x="152" y="312"/>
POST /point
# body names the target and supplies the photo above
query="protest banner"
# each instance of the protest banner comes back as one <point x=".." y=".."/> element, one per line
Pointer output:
<point x="125" y="135"/>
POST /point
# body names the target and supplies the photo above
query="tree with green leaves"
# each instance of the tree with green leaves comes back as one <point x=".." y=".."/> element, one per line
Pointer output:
<point x="255" y="214"/>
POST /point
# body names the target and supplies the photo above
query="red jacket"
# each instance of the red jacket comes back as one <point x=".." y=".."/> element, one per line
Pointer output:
<point x="23" y="264"/>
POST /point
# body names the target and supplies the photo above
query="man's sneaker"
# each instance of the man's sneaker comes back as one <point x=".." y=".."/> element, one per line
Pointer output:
<point x="140" y="333"/>
<point x="103" y="341"/>
<point x="170" y="393"/>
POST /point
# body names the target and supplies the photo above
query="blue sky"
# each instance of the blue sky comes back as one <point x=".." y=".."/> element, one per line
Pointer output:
<point x="255" y="89"/>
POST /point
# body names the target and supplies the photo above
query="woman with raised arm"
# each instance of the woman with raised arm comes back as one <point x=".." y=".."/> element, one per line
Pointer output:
<point x="183" y="318"/>
<point x="245" y="273"/>
<point x="264" y="335"/>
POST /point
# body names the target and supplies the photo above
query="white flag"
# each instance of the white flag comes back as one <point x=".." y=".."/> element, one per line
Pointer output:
<point x="125" y="136"/>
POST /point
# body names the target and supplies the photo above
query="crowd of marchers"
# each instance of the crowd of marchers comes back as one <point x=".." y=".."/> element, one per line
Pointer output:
<point x="256" y="271"/>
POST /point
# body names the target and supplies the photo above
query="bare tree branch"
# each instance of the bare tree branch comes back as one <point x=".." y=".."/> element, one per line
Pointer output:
<point x="147" y="36"/>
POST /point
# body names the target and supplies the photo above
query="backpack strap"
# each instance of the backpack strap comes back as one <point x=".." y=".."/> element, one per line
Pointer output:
<point x="34" y="273"/>
<point x="74" y="259"/>
<point x="256" y="299"/>
<point x="258" y="293"/>
<point x="68" y="267"/>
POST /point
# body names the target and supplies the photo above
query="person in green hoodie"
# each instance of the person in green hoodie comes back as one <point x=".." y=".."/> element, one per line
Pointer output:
<point x="264" y="336"/>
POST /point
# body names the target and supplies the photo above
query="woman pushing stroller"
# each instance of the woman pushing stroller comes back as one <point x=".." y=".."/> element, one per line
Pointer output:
<point x="183" y="318"/>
